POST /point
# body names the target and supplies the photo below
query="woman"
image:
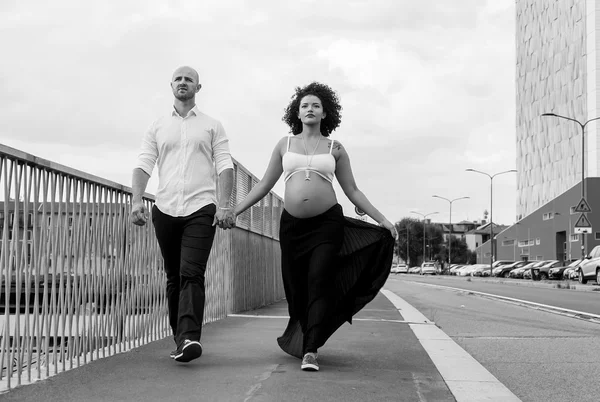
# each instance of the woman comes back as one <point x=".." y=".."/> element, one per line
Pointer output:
<point x="332" y="266"/>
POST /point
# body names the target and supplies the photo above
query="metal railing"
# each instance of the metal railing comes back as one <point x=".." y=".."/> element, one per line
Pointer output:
<point x="79" y="282"/>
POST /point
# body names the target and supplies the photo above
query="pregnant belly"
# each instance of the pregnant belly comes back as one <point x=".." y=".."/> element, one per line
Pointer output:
<point x="307" y="198"/>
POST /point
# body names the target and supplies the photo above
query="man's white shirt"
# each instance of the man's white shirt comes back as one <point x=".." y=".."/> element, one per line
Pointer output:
<point x="189" y="152"/>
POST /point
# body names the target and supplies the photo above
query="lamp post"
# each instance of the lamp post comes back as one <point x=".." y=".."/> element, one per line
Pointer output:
<point x="491" y="209"/>
<point x="582" y="125"/>
<point x="424" y="224"/>
<point x="450" y="235"/>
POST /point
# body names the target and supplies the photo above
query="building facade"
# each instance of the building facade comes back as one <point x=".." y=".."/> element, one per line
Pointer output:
<point x="557" y="71"/>
<point x="549" y="232"/>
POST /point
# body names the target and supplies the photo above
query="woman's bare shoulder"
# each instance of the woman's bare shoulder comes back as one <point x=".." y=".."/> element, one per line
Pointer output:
<point x="338" y="148"/>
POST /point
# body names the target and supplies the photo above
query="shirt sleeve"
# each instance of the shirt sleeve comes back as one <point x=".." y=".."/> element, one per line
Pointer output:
<point x="220" y="149"/>
<point x="148" y="151"/>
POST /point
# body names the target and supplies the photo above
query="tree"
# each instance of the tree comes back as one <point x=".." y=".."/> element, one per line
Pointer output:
<point x="410" y="232"/>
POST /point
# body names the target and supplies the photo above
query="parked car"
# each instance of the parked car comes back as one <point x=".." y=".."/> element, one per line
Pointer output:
<point x="499" y="263"/>
<point x="518" y="273"/>
<point x="571" y="271"/>
<point x="453" y="269"/>
<point x="428" y="268"/>
<point x="414" y="270"/>
<point x="399" y="269"/>
<point x="504" y="270"/>
<point x="467" y="269"/>
<point x="559" y="272"/>
<point x="482" y="270"/>
<point x="589" y="269"/>
<point x="544" y="269"/>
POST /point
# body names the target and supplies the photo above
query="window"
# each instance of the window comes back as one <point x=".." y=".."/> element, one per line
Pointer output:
<point x="70" y="221"/>
<point x="29" y="235"/>
<point x="525" y="243"/>
<point x="574" y="237"/>
<point x="537" y="241"/>
<point x="11" y="219"/>
<point x="508" y="242"/>
<point x="597" y="235"/>
<point x="30" y="220"/>
<point x="548" y="215"/>
<point x="539" y="257"/>
<point x="488" y="254"/>
<point x="524" y="251"/>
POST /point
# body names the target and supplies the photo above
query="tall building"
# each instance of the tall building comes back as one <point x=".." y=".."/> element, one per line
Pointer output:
<point x="558" y="71"/>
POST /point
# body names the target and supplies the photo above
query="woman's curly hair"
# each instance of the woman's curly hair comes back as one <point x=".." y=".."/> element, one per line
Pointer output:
<point x="329" y="100"/>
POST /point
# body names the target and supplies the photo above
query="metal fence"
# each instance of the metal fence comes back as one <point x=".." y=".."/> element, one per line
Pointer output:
<point x="78" y="281"/>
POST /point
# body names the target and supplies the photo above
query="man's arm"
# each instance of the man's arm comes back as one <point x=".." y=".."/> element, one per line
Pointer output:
<point x="224" y="215"/>
<point x="225" y="188"/>
<point x="139" y="212"/>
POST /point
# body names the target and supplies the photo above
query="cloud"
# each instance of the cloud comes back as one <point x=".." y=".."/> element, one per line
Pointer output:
<point x="427" y="87"/>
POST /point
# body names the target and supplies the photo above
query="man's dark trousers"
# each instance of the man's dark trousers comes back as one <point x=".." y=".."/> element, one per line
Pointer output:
<point x="185" y="244"/>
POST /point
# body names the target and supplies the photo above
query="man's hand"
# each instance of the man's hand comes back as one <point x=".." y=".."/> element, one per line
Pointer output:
<point x="224" y="218"/>
<point x="139" y="214"/>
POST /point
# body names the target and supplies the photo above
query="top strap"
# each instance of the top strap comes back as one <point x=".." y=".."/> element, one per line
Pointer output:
<point x="331" y="149"/>
<point x="288" y="145"/>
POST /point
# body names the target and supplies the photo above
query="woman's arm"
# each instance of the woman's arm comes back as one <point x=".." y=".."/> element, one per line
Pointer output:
<point x="343" y="172"/>
<point x="262" y="188"/>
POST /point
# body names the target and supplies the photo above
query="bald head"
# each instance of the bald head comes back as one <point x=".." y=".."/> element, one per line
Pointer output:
<point x="188" y="71"/>
<point x="185" y="83"/>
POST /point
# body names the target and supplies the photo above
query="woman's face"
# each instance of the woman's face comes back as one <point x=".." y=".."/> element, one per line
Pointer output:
<point x="310" y="110"/>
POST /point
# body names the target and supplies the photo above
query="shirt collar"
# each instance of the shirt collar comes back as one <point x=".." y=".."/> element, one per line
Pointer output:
<point x="194" y="111"/>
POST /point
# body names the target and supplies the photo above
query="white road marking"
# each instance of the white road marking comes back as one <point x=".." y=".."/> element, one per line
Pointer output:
<point x="545" y="307"/>
<point x="354" y="319"/>
<point x="466" y="378"/>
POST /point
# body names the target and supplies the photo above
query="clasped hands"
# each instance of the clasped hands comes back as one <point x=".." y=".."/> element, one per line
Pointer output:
<point x="224" y="218"/>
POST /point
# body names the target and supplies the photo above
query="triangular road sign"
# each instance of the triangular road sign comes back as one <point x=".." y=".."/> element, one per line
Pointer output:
<point x="583" y="206"/>
<point x="583" y="222"/>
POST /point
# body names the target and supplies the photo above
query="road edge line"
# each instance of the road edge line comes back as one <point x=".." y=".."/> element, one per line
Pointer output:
<point x="466" y="378"/>
<point x="594" y="318"/>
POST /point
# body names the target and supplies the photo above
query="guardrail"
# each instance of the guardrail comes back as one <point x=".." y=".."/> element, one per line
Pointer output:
<point x="79" y="282"/>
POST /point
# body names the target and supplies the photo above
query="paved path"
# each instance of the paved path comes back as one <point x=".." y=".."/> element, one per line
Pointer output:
<point x="371" y="360"/>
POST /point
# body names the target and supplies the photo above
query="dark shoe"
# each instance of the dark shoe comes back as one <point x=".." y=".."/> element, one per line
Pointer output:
<point x="309" y="363"/>
<point x="188" y="351"/>
<point x="173" y="354"/>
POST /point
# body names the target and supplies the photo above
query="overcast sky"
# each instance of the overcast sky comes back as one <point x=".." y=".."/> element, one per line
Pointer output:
<point x="427" y="87"/>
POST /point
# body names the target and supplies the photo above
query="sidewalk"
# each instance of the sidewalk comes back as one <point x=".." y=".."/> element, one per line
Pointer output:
<point x="370" y="360"/>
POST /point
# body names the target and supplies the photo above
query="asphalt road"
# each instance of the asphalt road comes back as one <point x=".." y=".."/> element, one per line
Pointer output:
<point x="588" y="302"/>
<point x="539" y="356"/>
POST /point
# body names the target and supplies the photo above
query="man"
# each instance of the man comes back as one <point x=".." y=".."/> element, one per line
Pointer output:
<point x="187" y="146"/>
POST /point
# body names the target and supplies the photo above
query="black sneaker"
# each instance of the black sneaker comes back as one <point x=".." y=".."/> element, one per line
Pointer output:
<point x="173" y="354"/>
<point x="188" y="351"/>
<point x="309" y="362"/>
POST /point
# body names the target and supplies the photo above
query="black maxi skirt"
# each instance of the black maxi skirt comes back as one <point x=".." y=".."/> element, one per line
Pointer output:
<point x="363" y="266"/>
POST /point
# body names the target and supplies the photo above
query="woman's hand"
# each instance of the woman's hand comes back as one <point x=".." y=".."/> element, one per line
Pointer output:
<point x="389" y="226"/>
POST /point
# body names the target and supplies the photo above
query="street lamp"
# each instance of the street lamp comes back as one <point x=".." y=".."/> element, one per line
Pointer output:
<point x="491" y="209"/>
<point x="424" y="224"/>
<point x="450" y="236"/>
<point x="582" y="125"/>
